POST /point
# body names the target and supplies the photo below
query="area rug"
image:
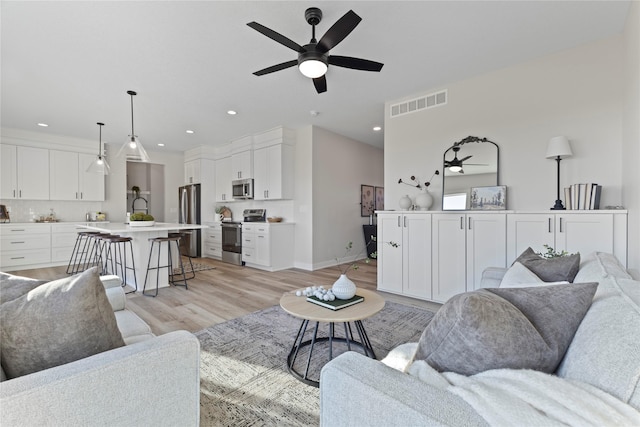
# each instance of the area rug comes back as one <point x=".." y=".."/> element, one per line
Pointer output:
<point x="243" y="374"/>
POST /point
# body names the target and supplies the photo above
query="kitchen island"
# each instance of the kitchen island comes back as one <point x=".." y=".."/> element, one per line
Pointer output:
<point x="142" y="246"/>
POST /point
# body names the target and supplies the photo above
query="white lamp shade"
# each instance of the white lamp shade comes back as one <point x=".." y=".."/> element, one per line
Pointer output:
<point x="133" y="150"/>
<point x="99" y="165"/>
<point x="559" y="147"/>
<point x="313" y="68"/>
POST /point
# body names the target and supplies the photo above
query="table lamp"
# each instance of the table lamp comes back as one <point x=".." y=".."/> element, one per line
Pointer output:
<point x="558" y="149"/>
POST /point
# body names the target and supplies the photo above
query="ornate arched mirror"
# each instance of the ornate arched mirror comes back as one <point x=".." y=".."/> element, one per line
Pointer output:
<point x="471" y="162"/>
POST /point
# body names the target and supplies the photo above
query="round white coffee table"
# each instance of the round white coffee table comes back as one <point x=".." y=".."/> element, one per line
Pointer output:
<point x="308" y="311"/>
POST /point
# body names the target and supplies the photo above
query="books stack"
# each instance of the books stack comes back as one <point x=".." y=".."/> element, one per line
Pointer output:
<point x="336" y="304"/>
<point x="582" y="196"/>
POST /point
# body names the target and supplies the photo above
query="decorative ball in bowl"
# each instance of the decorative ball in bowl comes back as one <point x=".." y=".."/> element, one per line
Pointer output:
<point x="274" y="219"/>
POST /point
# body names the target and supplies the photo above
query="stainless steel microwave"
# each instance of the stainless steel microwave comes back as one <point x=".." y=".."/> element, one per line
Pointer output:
<point x="242" y="188"/>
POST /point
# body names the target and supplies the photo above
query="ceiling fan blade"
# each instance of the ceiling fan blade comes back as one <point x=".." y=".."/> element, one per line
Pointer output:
<point x="355" y="63"/>
<point x="339" y="31"/>
<point x="275" y="68"/>
<point x="466" y="158"/>
<point x="321" y="84"/>
<point x="275" y="36"/>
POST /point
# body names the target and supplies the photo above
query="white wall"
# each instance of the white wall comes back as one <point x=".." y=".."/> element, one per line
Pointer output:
<point x="340" y="166"/>
<point x="303" y="213"/>
<point x="631" y="136"/>
<point x="577" y="93"/>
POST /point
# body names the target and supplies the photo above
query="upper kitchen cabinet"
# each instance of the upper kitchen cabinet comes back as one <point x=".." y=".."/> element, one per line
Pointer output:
<point x="69" y="179"/>
<point x="273" y="169"/>
<point x="25" y="172"/>
<point x="192" y="172"/>
<point x="242" y="158"/>
<point x="223" y="183"/>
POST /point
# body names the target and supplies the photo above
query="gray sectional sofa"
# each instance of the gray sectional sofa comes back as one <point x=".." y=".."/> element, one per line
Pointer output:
<point x="151" y="380"/>
<point x="604" y="353"/>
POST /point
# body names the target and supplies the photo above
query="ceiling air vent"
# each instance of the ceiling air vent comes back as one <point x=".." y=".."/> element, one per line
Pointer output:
<point x="431" y="100"/>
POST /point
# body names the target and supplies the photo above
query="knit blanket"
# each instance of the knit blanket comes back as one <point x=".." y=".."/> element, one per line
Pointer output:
<point x="508" y="397"/>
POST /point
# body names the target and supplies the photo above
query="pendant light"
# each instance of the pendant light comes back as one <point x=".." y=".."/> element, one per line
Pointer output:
<point x="133" y="149"/>
<point x="99" y="165"/>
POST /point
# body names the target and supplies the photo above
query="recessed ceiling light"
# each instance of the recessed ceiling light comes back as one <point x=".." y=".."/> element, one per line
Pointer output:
<point x="232" y="112"/>
<point x="189" y="131"/>
<point x="161" y="145"/>
<point x="377" y="128"/>
<point x="44" y="125"/>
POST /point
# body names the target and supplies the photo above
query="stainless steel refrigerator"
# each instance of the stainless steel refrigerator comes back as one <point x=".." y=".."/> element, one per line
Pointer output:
<point x="189" y="213"/>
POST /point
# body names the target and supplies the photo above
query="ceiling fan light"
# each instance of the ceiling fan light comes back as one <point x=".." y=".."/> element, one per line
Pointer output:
<point x="313" y="68"/>
<point x="455" y="168"/>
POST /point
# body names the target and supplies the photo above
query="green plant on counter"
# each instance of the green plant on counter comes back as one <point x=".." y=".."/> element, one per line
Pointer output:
<point x="220" y="209"/>
<point x="139" y="216"/>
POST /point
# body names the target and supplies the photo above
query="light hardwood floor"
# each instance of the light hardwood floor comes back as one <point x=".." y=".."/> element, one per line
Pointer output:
<point x="228" y="291"/>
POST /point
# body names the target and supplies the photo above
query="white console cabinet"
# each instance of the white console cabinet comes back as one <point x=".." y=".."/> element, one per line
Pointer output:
<point x="405" y="269"/>
<point x="24" y="245"/>
<point x="582" y="232"/>
<point x="464" y="244"/>
<point x="442" y="254"/>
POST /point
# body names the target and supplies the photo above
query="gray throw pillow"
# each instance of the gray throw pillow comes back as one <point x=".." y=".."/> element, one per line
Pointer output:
<point x="519" y="328"/>
<point x="12" y="287"/>
<point x="57" y="323"/>
<point x="551" y="269"/>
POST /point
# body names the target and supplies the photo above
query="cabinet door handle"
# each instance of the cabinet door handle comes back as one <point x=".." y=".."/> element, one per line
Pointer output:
<point x="469" y="223"/>
<point x="549" y="225"/>
<point x="14" y="193"/>
<point x="81" y="196"/>
<point x="14" y="243"/>
<point x="398" y="220"/>
<point x="560" y="224"/>
<point x="461" y="223"/>
<point x="20" y="193"/>
<point x="17" y="257"/>
<point x="405" y="222"/>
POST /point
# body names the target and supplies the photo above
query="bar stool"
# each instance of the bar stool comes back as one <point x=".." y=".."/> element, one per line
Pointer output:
<point x="80" y="252"/>
<point x="114" y="248"/>
<point x="191" y="273"/>
<point x="157" y="242"/>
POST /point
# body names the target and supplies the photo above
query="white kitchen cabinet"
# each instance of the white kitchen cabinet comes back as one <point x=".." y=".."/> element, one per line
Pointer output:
<point x="212" y="241"/>
<point x="273" y="172"/>
<point x="463" y="246"/>
<point x="582" y="232"/>
<point x="405" y="269"/>
<point x="242" y="165"/>
<point x="69" y="179"/>
<point x="223" y="180"/>
<point x="63" y="240"/>
<point x="24" y="245"/>
<point x="25" y="173"/>
<point x="268" y="246"/>
<point x="192" y="172"/>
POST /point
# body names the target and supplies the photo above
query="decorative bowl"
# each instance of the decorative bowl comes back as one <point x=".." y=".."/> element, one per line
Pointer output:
<point x="274" y="219"/>
<point x="141" y="223"/>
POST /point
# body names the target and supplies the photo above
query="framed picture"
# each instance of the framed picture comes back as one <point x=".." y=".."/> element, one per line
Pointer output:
<point x="367" y="202"/>
<point x="379" y="198"/>
<point x="488" y="198"/>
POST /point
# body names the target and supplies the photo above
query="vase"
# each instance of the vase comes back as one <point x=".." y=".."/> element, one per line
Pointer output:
<point x="344" y="288"/>
<point x="424" y="200"/>
<point x="405" y="202"/>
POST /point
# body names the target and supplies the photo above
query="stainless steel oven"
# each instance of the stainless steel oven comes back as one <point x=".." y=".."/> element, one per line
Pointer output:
<point x="232" y="242"/>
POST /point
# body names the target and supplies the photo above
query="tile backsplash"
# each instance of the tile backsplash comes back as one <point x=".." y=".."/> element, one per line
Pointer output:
<point x="27" y="210"/>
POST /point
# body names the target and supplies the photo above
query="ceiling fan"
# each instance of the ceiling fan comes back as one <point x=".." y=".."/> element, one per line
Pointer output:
<point x="314" y="58"/>
<point x="455" y="164"/>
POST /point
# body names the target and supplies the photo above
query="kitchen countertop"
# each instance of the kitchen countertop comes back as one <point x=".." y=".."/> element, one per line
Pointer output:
<point x="121" y="227"/>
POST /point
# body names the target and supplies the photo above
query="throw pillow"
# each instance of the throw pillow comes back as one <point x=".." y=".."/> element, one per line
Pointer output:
<point x="519" y="276"/>
<point x="551" y="269"/>
<point x="56" y="323"/>
<point x="12" y="287"/>
<point x="522" y="328"/>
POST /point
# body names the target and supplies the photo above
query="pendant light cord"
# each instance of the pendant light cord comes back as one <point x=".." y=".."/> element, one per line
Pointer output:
<point x="132" y="93"/>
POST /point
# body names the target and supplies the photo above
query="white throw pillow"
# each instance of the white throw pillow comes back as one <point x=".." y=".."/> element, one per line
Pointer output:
<point x="519" y="276"/>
